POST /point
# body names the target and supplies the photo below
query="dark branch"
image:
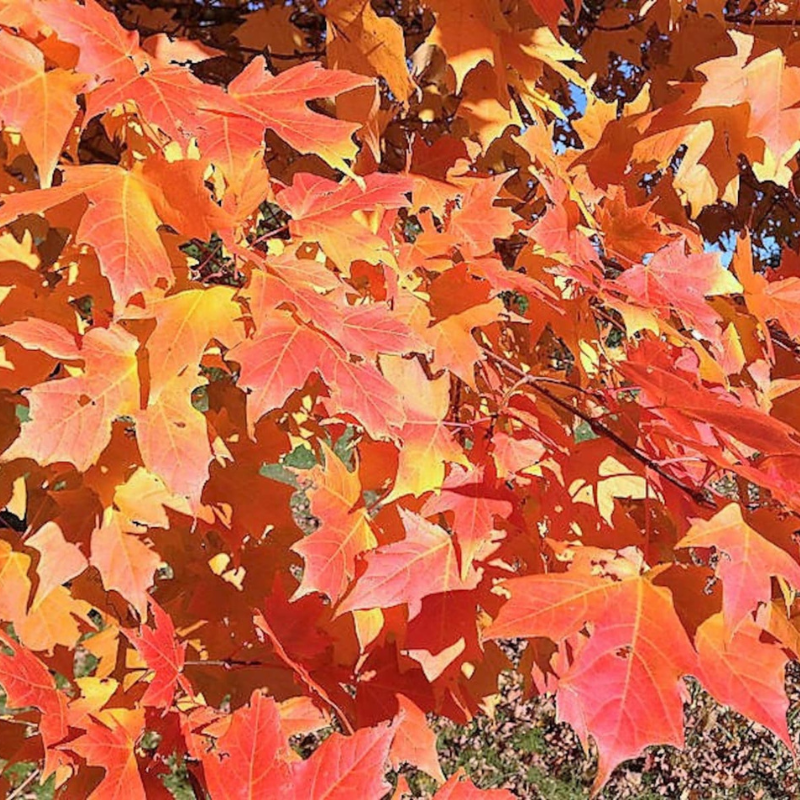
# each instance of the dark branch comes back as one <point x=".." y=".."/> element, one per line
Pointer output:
<point x="600" y="429"/>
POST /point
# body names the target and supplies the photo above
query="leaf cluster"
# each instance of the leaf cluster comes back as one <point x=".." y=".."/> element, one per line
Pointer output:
<point x="341" y="342"/>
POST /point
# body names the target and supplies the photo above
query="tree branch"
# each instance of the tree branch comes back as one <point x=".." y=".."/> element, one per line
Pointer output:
<point x="225" y="663"/>
<point x="20" y="790"/>
<point x="600" y="429"/>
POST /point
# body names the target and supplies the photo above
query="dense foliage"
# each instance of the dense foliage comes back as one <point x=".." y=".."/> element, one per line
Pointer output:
<point x="341" y="341"/>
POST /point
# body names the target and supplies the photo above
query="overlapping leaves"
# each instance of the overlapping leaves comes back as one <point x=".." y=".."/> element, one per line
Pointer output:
<point x="323" y="372"/>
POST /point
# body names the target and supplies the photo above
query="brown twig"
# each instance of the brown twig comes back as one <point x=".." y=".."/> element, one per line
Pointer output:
<point x="225" y="663"/>
<point x="528" y="378"/>
<point x="599" y="428"/>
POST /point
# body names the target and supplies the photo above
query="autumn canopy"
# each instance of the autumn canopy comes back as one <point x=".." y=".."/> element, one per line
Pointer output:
<point x="343" y="343"/>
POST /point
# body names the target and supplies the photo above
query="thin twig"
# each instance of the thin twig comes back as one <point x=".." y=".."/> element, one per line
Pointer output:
<point x="18" y="792"/>
<point x="225" y="663"/>
<point x="600" y="429"/>
<point x="734" y="19"/>
<point x="528" y="378"/>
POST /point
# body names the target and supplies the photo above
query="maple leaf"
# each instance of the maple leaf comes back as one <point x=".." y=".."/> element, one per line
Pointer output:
<point x="287" y="280"/>
<point x="282" y="354"/>
<point x="59" y="560"/>
<point x="744" y="672"/>
<point x="124" y="561"/>
<point x="173" y="439"/>
<point x="477" y="220"/>
<point x="550" y="11"/>
<point x="323" y="211"/>
<point x="124" y="212"/>
<point x="145" y="498"/>
<point x="170" y="431"/>
<point x="163" y="656"/>
<point x="119" y="203"/>
<point x="515" y="455"/>
<point x="40" y="104"/>
<point x="344" y="532"/>
<point x="428" y="445"/>
<point x="414" y="742"/>
<point x="371" y="329"/>
<point x="630" y="232"/>
<point x="453" y="344"/>
<point x="361" y="41"/>
<point x="765" y="84"/>
<point x="109" y="742"/>
<point x="14" y="574"/>
<point x="421" y="564"/>
<point x="279" y="103"/>
<point x="460" y="787"/>
<point x="94" y="695"/>
<point x="123" y="73"/>
<point x="299" y="715"/>
<point x="485" y="106"/>
<point x="747" y="560"/>
<point x="637" y="644"/>
<point x="689" y="408"/>
<point x="444" y="635"/>
<point x="468" y="34"/>
<point x="276" y="362"/>
<point x="185" y="324"/>
<point x="167" y="96"/>
<point x="273" y="28"/>
<point x="474" y="222"/>
<point x="39" y="334"/>
<point x="299" y="669"/>
<point x="27" y="682"/>
<point x="249" y="759"/>
<point x="475" y="503"/>
<point x="105" y="47"/>
<point x="344" y="765"/>
<point x="559" y="231"/>
<point x="673" y="279"/>
<point x="70" y="418"/>
<point x="54" y="620"/>
<point x="361" y="390"/>
<point x="768" y="300"/>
